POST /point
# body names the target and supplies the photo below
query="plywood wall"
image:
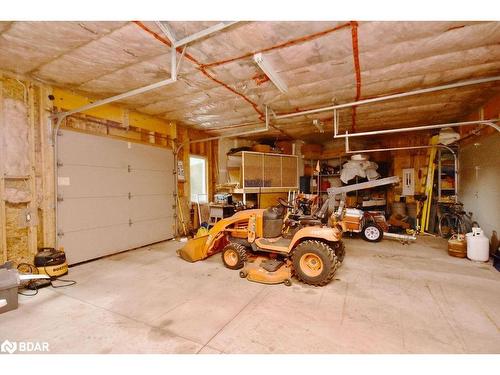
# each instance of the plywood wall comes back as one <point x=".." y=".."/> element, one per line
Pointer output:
<point x="22" y="187"/>
<point x="225" y="145"/>
<point x="403" y="159"/>
<point x="26" y="156"/>
<point x="208" y="149"/>
<point x="399" y="160"/>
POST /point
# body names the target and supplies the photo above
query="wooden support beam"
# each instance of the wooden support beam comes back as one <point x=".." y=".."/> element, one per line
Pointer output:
<point x="32" y="205"/>
<point x="3" y="225"/>
<point x="114" y="112"/>
<point x="47" y="157"/>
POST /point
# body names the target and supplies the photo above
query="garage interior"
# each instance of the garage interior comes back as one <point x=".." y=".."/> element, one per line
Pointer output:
<point x="124" y="142"/>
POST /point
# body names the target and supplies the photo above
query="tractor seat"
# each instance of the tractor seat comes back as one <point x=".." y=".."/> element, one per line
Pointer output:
<point x="308" y="221"/>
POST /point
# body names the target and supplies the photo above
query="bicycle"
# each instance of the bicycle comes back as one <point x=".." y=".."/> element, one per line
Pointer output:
<point x="456" y="221"/>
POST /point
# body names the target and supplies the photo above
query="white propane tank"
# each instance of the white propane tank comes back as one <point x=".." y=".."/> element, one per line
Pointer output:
<point x="478" y="245"/>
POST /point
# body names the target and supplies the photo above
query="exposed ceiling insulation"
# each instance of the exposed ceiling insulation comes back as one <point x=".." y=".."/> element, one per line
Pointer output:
<point x="220" y="85"/>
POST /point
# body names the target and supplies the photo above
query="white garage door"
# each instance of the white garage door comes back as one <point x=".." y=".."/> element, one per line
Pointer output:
<point x="115" y="195"/>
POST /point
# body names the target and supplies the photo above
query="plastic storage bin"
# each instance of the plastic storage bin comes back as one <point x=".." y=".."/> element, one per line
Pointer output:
<point x="8" y="289"/>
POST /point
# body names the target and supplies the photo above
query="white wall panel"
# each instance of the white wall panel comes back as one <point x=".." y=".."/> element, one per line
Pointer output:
<point x="479" y="188"/>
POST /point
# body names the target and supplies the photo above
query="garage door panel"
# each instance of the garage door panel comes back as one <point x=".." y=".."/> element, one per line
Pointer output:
<point x="161" y="229"/>
<point x="150" y="158"/>
<point x="149" y="231"/>
<point x="150" y="182"/>
<point x="95" y="182"/>
<point x="150" y="207"/>
<point x="87" y="181"/>
<point x="94" y="243"/>
<point x="87" y="213"/>
<point x="78" y="148"/>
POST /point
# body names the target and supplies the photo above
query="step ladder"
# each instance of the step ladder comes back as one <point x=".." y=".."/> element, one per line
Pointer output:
<point x="426" y="187"/>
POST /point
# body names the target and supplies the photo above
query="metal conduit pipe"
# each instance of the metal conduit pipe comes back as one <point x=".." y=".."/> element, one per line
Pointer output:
<point x="416" y="128"/>
<point x="59" y="118"/>
<point x="455" y="157"/>
<point x="411" y="129"/>
<point x="55" y="128"/>
<point x="389" y="97"/>
<point x="490" y="123"/>
<point x="203" y="33"/>
<point x="25" y="90"/>
<point x="181" y="145"/>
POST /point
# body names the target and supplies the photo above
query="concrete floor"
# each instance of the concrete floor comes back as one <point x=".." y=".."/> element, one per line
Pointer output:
<point x="386" y="298"/>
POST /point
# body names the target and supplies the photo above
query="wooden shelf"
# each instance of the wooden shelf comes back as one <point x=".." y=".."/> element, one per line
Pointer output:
<point x="16" y="177"/>
<point x="374" y="203"/>
<point x="256" y="190"/>
<point x="265" y="172"/>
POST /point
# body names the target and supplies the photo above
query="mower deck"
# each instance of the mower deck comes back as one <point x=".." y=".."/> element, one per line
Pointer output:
<point x="264" y="270"/>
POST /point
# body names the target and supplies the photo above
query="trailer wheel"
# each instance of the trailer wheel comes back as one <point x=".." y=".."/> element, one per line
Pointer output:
<point x="234" y="256"/>
<point x="372" y="233"/>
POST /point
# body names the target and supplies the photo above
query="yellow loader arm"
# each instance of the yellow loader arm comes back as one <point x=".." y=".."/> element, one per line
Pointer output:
<point x="200" y="248"/>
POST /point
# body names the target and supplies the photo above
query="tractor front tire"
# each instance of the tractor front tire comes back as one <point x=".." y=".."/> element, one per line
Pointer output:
<point x="339" y="248"/>
<point x="314" y="262"/>
<point x="234" y="256"/>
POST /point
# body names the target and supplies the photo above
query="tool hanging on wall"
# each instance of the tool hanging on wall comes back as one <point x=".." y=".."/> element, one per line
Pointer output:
<point x="181" y="214"/>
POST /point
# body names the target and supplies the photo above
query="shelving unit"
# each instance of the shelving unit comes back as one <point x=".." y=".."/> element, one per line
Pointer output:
<point x="261" y="173"/>
<point x="378" y="204"/>
<point x="319" y="178"/>
<point x="323" y="177"/>
<point x="446" y="177"/>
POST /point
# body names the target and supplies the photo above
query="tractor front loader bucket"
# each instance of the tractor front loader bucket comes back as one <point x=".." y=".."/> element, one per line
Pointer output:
<point x="202" y="247"/>
<point x="193" y="250"/>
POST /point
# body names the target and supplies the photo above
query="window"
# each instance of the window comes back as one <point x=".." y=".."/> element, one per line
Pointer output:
<point x="198" y="179"/>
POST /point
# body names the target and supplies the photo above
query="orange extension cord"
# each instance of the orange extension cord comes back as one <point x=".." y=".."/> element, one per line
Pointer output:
<point x="357" y="69"/>
<point x="203" y="67"/>
<point x="281" y="45"/>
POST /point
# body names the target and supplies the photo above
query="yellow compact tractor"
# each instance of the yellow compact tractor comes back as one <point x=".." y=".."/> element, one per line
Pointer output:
<point x="270" y="245"/>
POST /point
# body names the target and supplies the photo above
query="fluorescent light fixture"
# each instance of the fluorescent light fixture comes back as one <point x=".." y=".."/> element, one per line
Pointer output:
<point x="270" y="72"/>
<point x="319" y="125"/>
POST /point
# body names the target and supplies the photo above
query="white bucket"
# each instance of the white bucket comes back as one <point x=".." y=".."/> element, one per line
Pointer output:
<point x="478" y="245"/>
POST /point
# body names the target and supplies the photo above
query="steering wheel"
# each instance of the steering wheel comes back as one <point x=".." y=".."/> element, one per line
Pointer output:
<point x="284" y="203"/>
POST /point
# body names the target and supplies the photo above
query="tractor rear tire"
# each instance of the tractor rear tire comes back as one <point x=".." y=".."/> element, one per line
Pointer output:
<point x="314" y="262"/>
<point x="234" y="256"/>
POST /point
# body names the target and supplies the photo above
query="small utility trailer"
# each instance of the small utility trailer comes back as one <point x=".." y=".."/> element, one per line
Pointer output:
<point x="371" y="224"/>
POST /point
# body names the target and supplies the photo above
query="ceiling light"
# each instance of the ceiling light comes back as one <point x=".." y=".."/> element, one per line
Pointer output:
<point x="270" y="72"/>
